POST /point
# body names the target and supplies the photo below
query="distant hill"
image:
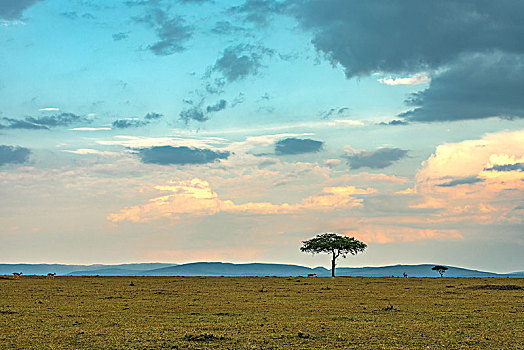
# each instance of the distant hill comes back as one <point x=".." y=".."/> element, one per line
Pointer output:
<point x="62" y="269"/>
<point x="422" y="270"/>
<point x="228" y="269"/>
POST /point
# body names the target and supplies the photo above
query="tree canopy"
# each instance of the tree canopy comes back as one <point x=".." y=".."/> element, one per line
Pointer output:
<point x="440" y="269"/>
<point x="335" y="244"/>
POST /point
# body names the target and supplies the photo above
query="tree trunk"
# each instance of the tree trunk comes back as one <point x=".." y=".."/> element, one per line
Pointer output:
<point x="333" y="266"/>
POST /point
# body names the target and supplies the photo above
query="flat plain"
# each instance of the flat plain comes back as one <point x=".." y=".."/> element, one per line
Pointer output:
<point x="260" y="313"/>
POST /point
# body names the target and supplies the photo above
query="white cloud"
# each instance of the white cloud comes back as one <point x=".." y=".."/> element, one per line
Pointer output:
<point x="89" y="129"/>
<point x="144" y="142"/>
<point x="345" y="122"/>
<point x="416" y="79"/>
<point x="85" y="151"/>
<point x="49" y="109"/>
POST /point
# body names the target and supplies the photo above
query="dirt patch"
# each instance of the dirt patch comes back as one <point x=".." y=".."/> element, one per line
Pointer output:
<point x="202" y="337"/>
<point x="496" y="287"/>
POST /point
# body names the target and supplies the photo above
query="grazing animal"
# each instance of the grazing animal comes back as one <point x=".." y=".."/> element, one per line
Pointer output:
<point x="405" y="275"/>
<point x="312" y="275"/>
<point x="17" y="274"/>
<point x="51" y="275"/>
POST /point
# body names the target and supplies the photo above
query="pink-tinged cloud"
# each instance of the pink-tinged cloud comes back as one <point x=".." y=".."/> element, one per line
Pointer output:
<point x="389" y="234"/>
<point x="195" y="197"/>
<point x="206" y="254"/>
<point x="480" y="181"/>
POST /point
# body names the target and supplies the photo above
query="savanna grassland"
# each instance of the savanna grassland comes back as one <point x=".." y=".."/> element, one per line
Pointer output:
<point x="260" y="313"/>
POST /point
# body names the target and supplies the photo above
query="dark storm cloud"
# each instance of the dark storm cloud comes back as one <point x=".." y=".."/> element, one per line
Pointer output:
<point x="13" y="9"/>
<point x="461" y="181"/>
<point x="238" y="62"/>
<point x="507" y="167"/>
<point x="409" y="35"/>
<point x="166" y="155"/>
<point x="136" y="123"/>
<point x="297" y="146"/>
<point x="379" y="159"/>
<point x="220" y="105"/>
<point x="13" y="154"/>
<point x="172" y="31"/>
<point x="45" y="122"/>
<point x="480" y="87"/>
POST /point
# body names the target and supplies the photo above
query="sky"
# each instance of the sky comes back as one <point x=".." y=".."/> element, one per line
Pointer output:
<point x="213" y="130"/>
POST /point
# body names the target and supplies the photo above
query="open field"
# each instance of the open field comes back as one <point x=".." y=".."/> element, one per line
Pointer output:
<point x="260" y="313"/>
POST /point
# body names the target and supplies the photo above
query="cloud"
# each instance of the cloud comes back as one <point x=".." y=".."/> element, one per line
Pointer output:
<point x="166" y="155"/>
<point x="195" y="197"/>
<point x="13" y="154"/>
<point x="297" y="146"/>
<point x="9" y="123"/>
<point x="333" y="163"/>
<point x="49" y="109"/>
<point x="137" y="142"/>
<point x="379" y="159"/>
<point x="194" y="1"/>
<point x="220" y="105"/>
<point x="481" y="87"/>
<point x="238" y="62"/>
<point x="399" y="36"/>
<point x="259" y="11"/>
<point x="45" y="122"/>
<point x="491" y="168"/>
<point x="462" y="181"/>
<point x="226" y="28"/>
<point x="507" y="167"/>
<point x="382" y="234"/>
<point x="135" y="122"/>
<point x="153" y="116"/>
<point x="395" y="122"/>
<point x="345" y="123"/>
<point x="333" y="111"/>
<point x="416" y="79"/>
<point x="128" y="123"/>
<point x="11" y="10"/>
<point x="120" y="36"/>
<point x="197" y="113"/>
<point x="89" y="129"/>
<point x="72" y="15"/>
<point x="172" y="31"/>
<point x="194" y="113"/>
<point x="89" y="151"/>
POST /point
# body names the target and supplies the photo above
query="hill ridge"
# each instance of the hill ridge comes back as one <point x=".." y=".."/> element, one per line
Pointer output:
<point x="241" y="269"/>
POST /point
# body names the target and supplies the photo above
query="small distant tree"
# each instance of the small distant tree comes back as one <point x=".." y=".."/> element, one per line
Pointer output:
<point x="440" y="269"/>
<point x="334" y="244"/>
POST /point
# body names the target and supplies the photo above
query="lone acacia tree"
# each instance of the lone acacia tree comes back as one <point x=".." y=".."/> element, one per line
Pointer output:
<point x="337" y="245"/>
<point x="440" y="269"/>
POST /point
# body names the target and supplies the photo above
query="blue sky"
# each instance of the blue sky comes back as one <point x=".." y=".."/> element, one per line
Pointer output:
<point x="200" y="130"/>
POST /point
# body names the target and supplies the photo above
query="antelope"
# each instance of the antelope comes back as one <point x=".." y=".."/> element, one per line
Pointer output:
<point x="51" y="275"/>
<point x="17" y="274"/>
<point x="312" y="275"/>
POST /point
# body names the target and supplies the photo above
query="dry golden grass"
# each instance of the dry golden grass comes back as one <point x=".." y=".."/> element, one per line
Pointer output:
<point x="260" y="313"/>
